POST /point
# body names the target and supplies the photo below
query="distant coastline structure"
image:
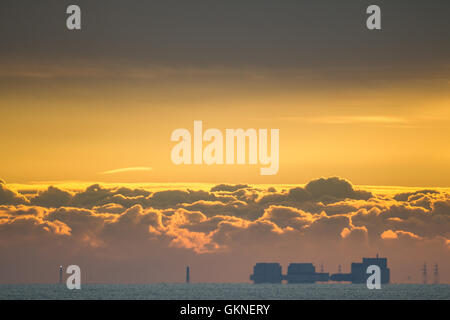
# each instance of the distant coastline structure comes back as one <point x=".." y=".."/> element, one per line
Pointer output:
<point x="306" y="272"/>
<point x="436" y="274"/>
<point x="188" y="276"/>
<point x="296" y="273"/>
<point x="358" y="273"/>
<point x="60" y="274"/>
<point x="267" y="273"/>
<point x="424" y="273"/>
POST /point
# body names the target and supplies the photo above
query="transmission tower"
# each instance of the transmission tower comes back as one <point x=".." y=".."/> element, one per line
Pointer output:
<point x="436" y="274"/>
<point x="424" y="273"/>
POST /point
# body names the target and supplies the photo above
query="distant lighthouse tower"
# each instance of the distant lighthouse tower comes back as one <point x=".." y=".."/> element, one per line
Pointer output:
<point x="60" y="274"/>
<point x="188" y="277"/>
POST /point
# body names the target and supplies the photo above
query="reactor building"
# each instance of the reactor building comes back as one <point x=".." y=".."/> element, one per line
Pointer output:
<point x="266" y="273"/>
<point x="358" y="273"/>
<point x="297" y="273"/>
<point x="306" y="272"/>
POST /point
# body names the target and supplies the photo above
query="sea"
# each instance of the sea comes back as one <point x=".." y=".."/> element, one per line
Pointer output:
<point x="224" y="291"/>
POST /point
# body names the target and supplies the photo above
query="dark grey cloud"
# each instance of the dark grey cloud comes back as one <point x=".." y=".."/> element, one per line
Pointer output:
<point x="229" y="187"/>
<point x="336" y="188"/>
<point x="299" y="194"/>
<point x="405" y="195"/>
<point x="315" y="193"/>
<point x="326" y="35"/>
<point x="52" y="197"/>
<point x="170" y="198"/>
<point x="8" y="196"/>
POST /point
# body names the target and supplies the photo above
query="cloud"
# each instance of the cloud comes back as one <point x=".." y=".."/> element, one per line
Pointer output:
<point x="385" y="120"/>
<point x="8" y="196"/>
<point x="288" y="217"/>
<point x="96" y="195"/>
<point x="335" y="188"/>
<point x="170" y="198"/>
<point x="228" y="187"/>
<point x="399" y="235"/>
<point x="130" y="169"/>
<point x="389" y="234"/>
<point x="52" y="197"/>
<point x="30" y="228"/>
<point x="229" y="227"/>
<point x="360" y="120"/>
<point x="405" y="196"/>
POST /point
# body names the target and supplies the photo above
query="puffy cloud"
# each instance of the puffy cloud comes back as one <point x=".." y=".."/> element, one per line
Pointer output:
<point x="406" y="195"/>
<point x="299" y="194"/>
<point x="109" y="208"/>
<point x="22" y="210"/>
<point x="353" y="233"/>
<point x="324" y="190"/>
<point x="335" y="187"/>
<point x="441" y="208"/>
<point x="327" y="218"/>
<point x="30" y="228"/>
<point x="228" y="187"/>
<point x="127" y="192"/>
<point x="93" y="195"/>
<point x="8" y="196"/>
<point x="389" y="234"/>
<point x="52" y="197"/>
<point x="170" y="198"/>
<point x="236" y="208"/>
<point x="288" y="217"/>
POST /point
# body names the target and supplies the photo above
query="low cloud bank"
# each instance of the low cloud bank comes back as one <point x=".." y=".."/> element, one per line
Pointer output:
<point x="121" y="234"/>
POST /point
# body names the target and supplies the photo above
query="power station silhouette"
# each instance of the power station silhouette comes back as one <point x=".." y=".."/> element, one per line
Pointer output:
<point x="306" y="272"/>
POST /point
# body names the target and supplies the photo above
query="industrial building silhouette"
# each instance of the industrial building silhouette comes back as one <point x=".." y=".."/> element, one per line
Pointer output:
<point x="306" y="272"/>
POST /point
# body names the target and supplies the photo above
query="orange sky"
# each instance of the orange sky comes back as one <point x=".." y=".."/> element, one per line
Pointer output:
<point x="77" y="123"/>
<point x="371" y="106"/>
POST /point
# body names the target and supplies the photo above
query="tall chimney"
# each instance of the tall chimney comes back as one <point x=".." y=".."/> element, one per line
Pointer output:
<point x="187" y="275"/>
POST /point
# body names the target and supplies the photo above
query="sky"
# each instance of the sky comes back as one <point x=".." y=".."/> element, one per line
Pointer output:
<point x="371" y="106"/>
<point x="86" y="119"/>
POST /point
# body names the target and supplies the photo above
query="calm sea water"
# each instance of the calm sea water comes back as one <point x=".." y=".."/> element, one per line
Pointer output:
<point x="224" y="291"/>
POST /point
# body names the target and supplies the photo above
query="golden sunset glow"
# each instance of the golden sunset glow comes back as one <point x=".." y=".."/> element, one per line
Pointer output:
<point x="87" y="116"/>
<point x="78" y="124"/>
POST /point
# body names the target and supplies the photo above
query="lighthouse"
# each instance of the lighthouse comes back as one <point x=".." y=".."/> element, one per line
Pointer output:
<point x="60" y="274"/>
